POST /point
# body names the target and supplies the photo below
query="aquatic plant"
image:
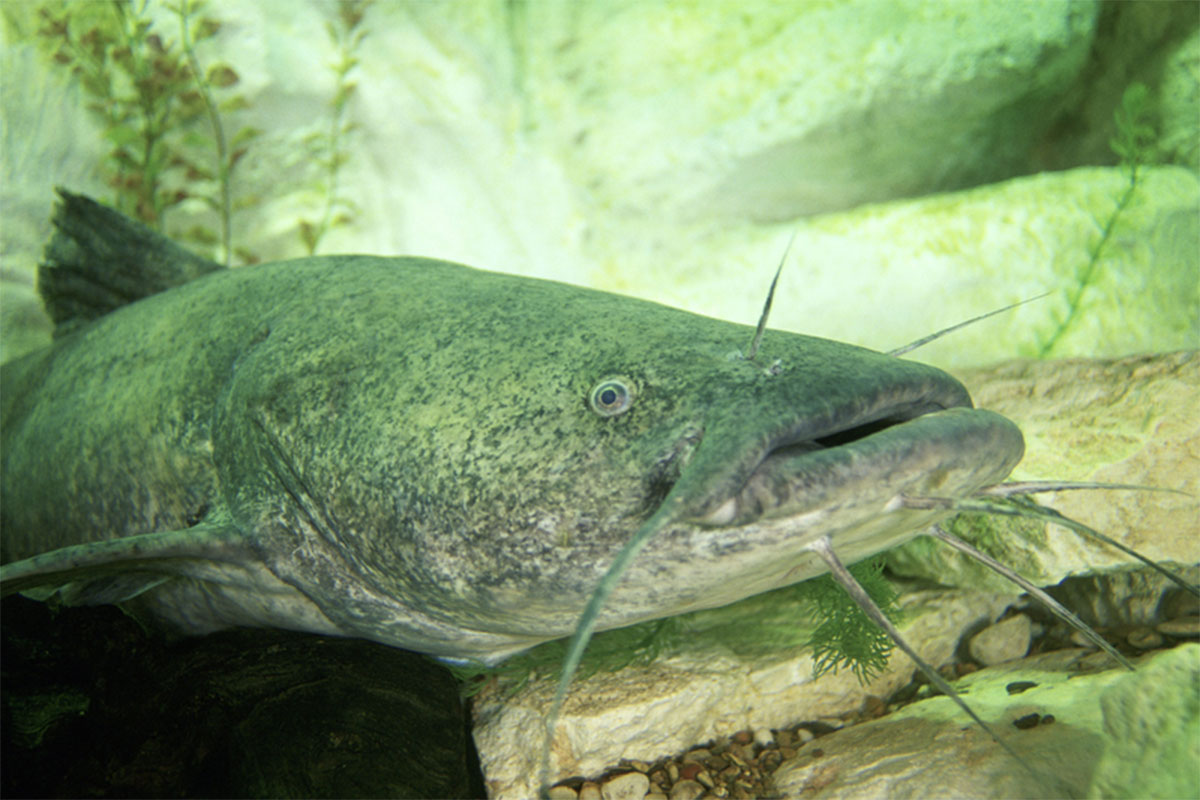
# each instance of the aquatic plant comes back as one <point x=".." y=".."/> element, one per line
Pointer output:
<point x="150" y="95"/>
<point x="329" y="148"/>
<point x="1134" y="145"/>
<point x="228" y="152"/>
<point x="846" y="636"/>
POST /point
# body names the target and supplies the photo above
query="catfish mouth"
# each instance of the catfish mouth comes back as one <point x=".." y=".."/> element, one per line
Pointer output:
<point x="866" y="456"/>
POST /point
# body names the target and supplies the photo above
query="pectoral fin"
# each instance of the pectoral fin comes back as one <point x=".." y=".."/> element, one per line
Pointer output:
<point x="116" y="570"/>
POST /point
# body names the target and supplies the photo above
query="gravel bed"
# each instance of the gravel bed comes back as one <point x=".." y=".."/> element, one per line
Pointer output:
<point x="740" y="766"/>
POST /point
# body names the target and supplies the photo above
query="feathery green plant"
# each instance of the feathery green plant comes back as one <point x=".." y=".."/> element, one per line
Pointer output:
<point x="329" y="147"/>
<point x="846" y="636"/>
<point x="1134" y="145"/>
<point x="151" y="97"/>
<point x="135" y="84"/>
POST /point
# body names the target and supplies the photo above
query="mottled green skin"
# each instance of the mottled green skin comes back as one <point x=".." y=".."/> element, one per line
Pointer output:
<point x="404" y="450"/>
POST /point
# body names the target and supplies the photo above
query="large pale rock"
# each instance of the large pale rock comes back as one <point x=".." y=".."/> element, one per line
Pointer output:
<point x="702" y="690"/>
<point x="926" y="749"/>
<point x="771" y="110"/>
<point x="884" y="275"/>
<point x="1130" y="420"/>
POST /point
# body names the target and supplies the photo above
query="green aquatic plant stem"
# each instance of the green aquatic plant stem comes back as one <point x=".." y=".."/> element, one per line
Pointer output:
<point x="1134" y="145"/>
<point x="155" y="77"/>
<point x="162" y="114"/>
<point x="1088" y="275"/>
<point x="346" y="34"/>
<point x="224" y="163"/>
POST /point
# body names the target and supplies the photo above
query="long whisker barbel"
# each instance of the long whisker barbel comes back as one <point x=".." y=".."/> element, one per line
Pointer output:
<point x="1055" y="607"/>
<point x="823" y="547"/>
<point x="1033" y="511"/>
<point x="924" y="340"/>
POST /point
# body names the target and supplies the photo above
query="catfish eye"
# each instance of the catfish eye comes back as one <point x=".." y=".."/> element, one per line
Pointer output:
<point x="611" y="397"/>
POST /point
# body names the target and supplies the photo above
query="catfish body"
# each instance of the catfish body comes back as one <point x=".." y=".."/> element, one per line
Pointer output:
<point x="447" y="459"/>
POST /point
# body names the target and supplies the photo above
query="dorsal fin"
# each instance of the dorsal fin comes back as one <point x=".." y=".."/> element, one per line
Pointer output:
<point x="98" y="260"/>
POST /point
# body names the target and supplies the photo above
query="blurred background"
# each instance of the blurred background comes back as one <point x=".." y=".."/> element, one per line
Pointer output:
<point x="936" y="160"/>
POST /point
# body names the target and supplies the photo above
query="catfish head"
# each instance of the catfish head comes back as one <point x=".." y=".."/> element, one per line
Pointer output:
<point x="449" y="460"/>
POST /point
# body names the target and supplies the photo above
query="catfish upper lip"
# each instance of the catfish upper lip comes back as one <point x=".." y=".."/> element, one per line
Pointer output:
<point x="834" y="428"/>
<point x="863" y="426"/>
<point x="945" y="451"/>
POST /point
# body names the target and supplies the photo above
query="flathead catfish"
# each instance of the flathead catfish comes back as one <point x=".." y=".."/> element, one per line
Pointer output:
<point x="438" y="457"/>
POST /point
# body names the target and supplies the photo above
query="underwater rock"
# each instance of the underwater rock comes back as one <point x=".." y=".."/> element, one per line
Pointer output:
<point x="630" y="786"/>
<point x="773" y="113"/>
<point x="925" y="750"/>
<point x="1137" y="598"/>
<point x="1152" y="727"/>
<point x="916" y="266"/>
<point x="517" y="166"/>
<point x="705" y="687"/>
<point x="1126" y="420"/>
<point x="1007" y="640"/>
<point x="94" y="707"/>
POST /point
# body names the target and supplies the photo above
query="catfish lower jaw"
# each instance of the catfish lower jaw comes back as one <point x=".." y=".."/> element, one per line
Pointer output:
<point x="950" y="453"/>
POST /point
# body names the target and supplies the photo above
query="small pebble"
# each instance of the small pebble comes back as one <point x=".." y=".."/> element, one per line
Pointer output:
<point x="1047" y="719"/>
<point x="783" y="738"/>
<point x="805" y="735"/>
<point x="589" y="791"/>
<point x="1026" y="722"/>
<point x="1016" y="687"/>
<point x="562" y="793"/>
<point x="1098" y="660"/>
<point x="706" y="779"/>
<point x="630" y="786"/>
<point x="1144" y="638"/>
<point x="698" y="755"/>
<point x="686" y="790"/>
<point x="763" y="737"/>
<point x="743" y="737"/>
<point x="640" y="766"/>
<point x="1007" y="640"/>
<point x="673" y="772"/>
<point x="1180" y="627"/>
<point x="690" y="770"/>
